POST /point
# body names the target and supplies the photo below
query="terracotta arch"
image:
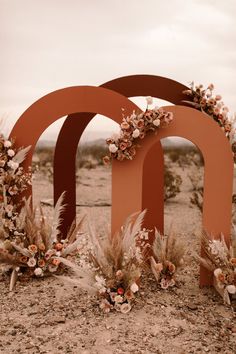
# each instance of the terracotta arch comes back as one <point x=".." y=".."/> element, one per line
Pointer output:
<point x="218" y="177"/>
<point x="67" y="143"/>
<point x="57" y="104"/>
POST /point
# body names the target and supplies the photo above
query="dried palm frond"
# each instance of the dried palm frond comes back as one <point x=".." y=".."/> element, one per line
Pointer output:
<point x="57" y="220"/>
<point x="9" y="259"/>
<point x="216" y="252"/>
<point x="166" y="248"/>
<point x="84" y="278"/>
<point x="110" y="267"/>
<point x="21" y="155"/>
<point x="167" y="257"/>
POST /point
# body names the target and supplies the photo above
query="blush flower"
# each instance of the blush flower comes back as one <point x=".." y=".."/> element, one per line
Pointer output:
<point x="10" y="152"/>
<point x="7" y="144"/>
<point x="125" y="308"/>
<point x="156" y="122"/>
<point x="31" y="262"/>
<point x="149" y="100"/>
<point x="38" y="272"/>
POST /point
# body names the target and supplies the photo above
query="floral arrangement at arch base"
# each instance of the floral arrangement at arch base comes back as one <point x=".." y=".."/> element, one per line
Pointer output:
<point x="133" y="129"/>
<point x="36" y="245"/>
<point x="220" y="260"/>
<point x="110" y="268"/>
<point x="165" y="256"/>
<point x="13" y="181"/>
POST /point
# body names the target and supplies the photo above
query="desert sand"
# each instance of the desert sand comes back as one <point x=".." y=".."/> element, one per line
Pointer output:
<point x="46" y="316"/>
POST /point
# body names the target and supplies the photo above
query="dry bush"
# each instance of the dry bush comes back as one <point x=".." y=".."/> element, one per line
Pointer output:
<point x="172" y="183"/>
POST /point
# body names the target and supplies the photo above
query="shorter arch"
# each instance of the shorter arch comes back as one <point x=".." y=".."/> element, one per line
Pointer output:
<point x="202" y="131"/>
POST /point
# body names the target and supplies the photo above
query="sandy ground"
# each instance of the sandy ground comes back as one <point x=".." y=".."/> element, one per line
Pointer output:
<point x="44" y="316"/>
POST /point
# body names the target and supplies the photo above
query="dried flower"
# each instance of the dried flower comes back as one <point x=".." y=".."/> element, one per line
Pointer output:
<point x="31" y="262"/>
<point x="125" y="308"/>
<point x="149" y="100"/>
<point x="136" y="133"/>
<point x="113" y="148"/>
<point x="38" y="272"/>
<point x="134" y="288"/>
<point x="33" y="248"/>
<point x="157" y="122"/>
<point x="7" y="143"/>
<point x="231" y="289"/>
<point x="10" y="152"/>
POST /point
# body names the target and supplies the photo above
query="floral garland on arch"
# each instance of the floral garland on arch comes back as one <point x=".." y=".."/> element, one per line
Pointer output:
<point x="133" y="129"/>
<point x="203" y="99"/>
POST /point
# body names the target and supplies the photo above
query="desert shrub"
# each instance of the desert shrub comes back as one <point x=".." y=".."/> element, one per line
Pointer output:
<point x="172" y="183"/>
<point x="184" y="155"/>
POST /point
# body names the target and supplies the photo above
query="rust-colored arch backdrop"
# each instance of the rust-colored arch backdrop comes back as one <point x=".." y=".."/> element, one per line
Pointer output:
<point x="67" y="143"/>
<point x="134" y="183"/>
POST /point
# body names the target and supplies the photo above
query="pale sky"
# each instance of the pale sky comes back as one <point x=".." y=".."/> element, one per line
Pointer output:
<point x="50" y="44"/>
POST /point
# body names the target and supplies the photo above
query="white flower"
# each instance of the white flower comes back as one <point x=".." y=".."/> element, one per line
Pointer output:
<point x="38" y="272"/>
<point x="7" y="144"/>
<point x="125" y="308"/>
<point x="217" y="272"/>
<point x="231" y="289"/>
<point x="10" y="152"/>
<point x="134" y="288"/>
<point x="156" y="122"/>
<point x="12" y="164"/>
<point x="52" y="268"/>
<point x="149" y="100"/>
<point x="119" y="299"/>
<point x="136" y="133"/>
<point x="100" y="281"/>
<point x="31" y="262"/>
<point x="113" y="148"/>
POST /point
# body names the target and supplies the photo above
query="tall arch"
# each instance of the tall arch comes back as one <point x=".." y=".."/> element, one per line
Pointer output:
<point x="218" y="176"/>
<point x="67" y="143"/>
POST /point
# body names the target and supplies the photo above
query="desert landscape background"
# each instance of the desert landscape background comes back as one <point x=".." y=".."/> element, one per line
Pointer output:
<point x="46" y="316"/>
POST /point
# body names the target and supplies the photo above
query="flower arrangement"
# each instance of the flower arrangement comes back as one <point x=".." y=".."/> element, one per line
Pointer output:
<point x="36" y="246"/>
<point x="167" y="257"/>
<point x="204" y="100"/>
<point x="13" y="181"/>
<point x="220" y="260"/>
<point x="133" y="129"/>
<point x="111" y="268"/>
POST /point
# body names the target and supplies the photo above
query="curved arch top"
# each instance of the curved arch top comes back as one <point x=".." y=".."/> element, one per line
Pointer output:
<point x="129" y="86"/>
<point x="41" y="114"/>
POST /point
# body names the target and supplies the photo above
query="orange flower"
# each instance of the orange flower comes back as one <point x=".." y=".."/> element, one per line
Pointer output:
<point x="55" y="262"/>
<point x="58" y="246"/>
<point x="23" y="259"/>
<point x="129" y="295"/>
<point x="42" y="247"/>
<point x="106" y="160"/>
<point x="220" y="277"/>
<point x="33" y="248"/>
<point x="233" y="261"/>
<point x="125" y="125"/>
<point x="123" y="145"/>
<point x="41" y="263"/>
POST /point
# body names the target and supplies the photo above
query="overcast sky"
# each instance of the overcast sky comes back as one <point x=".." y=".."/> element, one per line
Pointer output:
<point x="50" y="44"/>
